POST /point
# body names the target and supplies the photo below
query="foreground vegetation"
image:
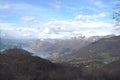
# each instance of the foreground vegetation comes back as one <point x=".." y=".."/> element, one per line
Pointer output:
<point x="18" y="64"/>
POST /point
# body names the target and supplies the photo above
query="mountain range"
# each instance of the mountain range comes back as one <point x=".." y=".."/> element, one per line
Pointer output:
<point x="50" y="48"/>
<point x="43" y="46"/>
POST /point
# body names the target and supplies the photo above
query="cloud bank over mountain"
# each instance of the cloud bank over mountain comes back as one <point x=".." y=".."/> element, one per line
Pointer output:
<point x="56" y="19"/>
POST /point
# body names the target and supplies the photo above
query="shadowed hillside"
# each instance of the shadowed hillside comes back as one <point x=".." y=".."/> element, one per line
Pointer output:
<point x="107" y="72"/>
<point x="108" y="45"/>
<point x="106" y="50"/>
<point x="18" y="64"/>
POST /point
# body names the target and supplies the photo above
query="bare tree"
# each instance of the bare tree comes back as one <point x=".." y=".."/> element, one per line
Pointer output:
<point x="0" y="39"/>
<point x="116" y="15"/>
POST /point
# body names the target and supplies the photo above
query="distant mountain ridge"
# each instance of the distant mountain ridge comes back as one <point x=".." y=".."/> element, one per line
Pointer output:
<point x="50" y="48"/>
<point x="56" y="48"/>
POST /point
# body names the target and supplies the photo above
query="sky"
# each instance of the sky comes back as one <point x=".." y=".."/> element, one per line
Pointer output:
<point x="56" y="19"/>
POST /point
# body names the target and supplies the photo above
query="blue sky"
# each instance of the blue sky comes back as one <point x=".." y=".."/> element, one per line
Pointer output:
<point x="56" y="18"/>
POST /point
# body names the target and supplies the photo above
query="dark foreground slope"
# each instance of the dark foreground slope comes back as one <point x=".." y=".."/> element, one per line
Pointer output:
<point x="112" y="70"/>
<point x="18" y="64"/>
<point x="109" y="71"/>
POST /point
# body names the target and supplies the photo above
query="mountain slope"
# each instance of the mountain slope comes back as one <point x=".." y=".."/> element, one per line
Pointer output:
<point x="109" y="71"/>
<point x="105" y="46"/>
<point x="18" y="64"/>
<point x="59" y="47"/>
<point x="108" y="45"/>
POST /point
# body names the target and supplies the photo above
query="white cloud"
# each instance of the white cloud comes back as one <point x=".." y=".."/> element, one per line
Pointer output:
<point x="5" y="7"/>
<point x="46" y="30"/>
<point x="4" y="25"/>
<point x="59" y="29"/>
<point x="23" y="9"/>
<point x="92" y="25"/>
<point x="27" y="35"/>
<point x="90" y="8"/>
<point x="102" y="15"/>
<point x="70" y="8"/>
<point x="91" y="17"/>
<point x="100" y="4"/>
<point x="56" y="5"/>
<point x="96" y="33"/>
<point x="26" y="7"/>
<point x="66" y="29"/>
<point x="74" y="25"/>
<point x="28" y="18"/>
